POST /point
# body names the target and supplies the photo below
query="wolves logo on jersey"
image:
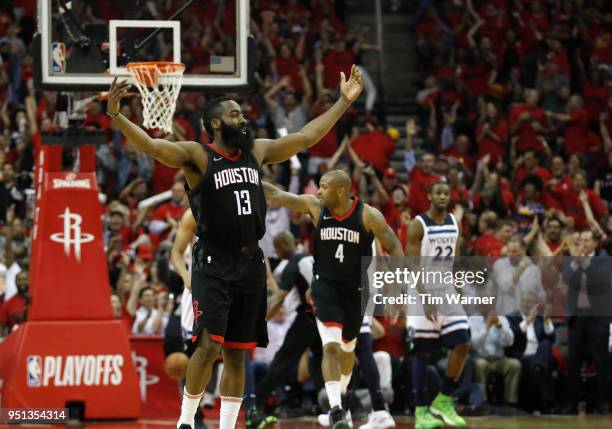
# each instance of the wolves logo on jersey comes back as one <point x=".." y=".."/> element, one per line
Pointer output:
<point x="439" y="240"/>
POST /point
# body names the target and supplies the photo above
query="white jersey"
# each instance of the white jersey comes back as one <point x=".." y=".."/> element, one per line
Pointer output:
<point x="438" y="246"/>
<point x="366" y="323"/>
<point x="186" y="300"/>
<point x="439" y="240"/>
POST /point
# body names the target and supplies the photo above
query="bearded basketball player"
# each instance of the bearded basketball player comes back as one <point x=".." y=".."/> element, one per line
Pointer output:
<point x="225" y="193"/>
<point x="345" y="230"/>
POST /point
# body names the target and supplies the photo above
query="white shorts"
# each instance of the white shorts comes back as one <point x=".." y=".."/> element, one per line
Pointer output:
<point x="450" y="330"/>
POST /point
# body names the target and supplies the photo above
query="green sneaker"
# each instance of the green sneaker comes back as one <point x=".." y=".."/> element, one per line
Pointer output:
<point x="255" y="419"/>
<point x="423" y="419"/>
<point x="442" y="406"/>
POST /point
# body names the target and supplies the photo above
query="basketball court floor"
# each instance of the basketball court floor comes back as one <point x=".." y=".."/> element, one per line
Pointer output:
<point x="488" y="422"/>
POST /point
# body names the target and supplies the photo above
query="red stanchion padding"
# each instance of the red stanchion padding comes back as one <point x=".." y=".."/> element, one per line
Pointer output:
<point x="87" y="158"/>
<point x="48" y="364"/>
<point x="160" y="395"/>
<point x="69" y="277"/>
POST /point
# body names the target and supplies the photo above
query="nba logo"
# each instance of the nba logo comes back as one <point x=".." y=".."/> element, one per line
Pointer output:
<point x="58" y="57"/>
<point x="34" y="371"/>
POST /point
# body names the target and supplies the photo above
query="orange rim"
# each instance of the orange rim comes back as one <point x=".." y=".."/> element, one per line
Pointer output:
<point x="145" y="72"/>
<point x="166" y="65"/>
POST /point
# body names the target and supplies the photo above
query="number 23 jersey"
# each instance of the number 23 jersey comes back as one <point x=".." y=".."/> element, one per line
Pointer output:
<point x="229" y="203"/>
<point x="339" y="245"/>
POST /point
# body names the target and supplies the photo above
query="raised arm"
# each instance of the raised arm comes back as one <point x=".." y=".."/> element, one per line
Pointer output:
<point x="374" y="221"/>
<point x="308" y="204"/>
<point x="177" y="155"/>
<point x="279" y="150"/>
<point x="184" y="235"/>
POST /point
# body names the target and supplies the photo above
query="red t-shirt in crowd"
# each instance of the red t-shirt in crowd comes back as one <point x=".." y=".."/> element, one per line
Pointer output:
<point x="601" y="48"/>
<point x="161" y="214"/>
<point x="336" y="62"/>
<point x="392" y="214"/>
<point x="162" y="178"/>
<point x="290" y="67"/>
<point x="576" y="141"/>
<point x="419" y="189"/>
<point x="374" y="147"/>
<point x="490" y="146"/>
<point x="476" y="78"/>
<point x="553" y="246"/>
<point x="527" y="136"/>
<point x="12" y="311"/>
<point x="541" y="172"/>
<point x="327" y="145"/>
<point x="572" y="206"/>
<point x="488" y="245"/>
<point x="595" y="99"/>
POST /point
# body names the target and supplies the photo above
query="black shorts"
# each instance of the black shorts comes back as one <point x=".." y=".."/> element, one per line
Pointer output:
<point x="233" y="311"/>
<point x="339" y="304"/>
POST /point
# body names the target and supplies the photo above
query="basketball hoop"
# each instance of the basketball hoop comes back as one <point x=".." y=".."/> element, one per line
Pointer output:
<point x="159" y="84"/>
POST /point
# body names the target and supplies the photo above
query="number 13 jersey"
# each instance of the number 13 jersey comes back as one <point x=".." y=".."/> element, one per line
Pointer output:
<point x="229" y="205"/>
<point x="339" y="245"/>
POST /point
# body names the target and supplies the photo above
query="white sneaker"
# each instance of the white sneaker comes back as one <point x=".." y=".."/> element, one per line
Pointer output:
<point x="379" y="420"/>
<point x="323" y="419"/>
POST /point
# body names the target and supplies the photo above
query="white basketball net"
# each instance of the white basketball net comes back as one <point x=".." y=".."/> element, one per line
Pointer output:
<point x="159" y="85"/>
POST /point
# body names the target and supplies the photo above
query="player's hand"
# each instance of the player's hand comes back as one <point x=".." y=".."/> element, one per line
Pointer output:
<point x="352" y="88"/>
<point x="431" y="312"/>
<point x="116" y="93"/>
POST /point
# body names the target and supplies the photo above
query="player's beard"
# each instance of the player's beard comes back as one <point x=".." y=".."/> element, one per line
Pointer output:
<point x="234" y="138"/>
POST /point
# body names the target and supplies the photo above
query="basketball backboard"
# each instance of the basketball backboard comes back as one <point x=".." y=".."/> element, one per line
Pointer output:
<point x="82" y="44"/>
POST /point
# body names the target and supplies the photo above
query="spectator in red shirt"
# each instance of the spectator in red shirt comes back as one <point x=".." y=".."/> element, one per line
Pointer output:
<point x="493" y="244"/>
<point x="390" y="180"/>
<point x="595" y="94"/>
<point x="339" y="59"/>
<point x="375" y="147"/>
<point x="528" y="123"/>
<point x="572" y="205"/>
<point x="421" y="179"/>
<point x="558" y="171"/>
<point x="492" y="134"/>
<point x="576" y="121"/>
<point x="552" y="233"/>
<point x="167" y="215"/>
<point x="527" y="165"/>
<point x="14" y="310"/>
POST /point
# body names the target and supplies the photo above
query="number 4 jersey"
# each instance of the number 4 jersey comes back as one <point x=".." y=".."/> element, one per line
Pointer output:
<point x="339" y="245"/>
<point x="229" y="205"/>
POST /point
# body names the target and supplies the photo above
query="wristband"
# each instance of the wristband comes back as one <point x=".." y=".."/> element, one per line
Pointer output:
<point x="112" y="115"/>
